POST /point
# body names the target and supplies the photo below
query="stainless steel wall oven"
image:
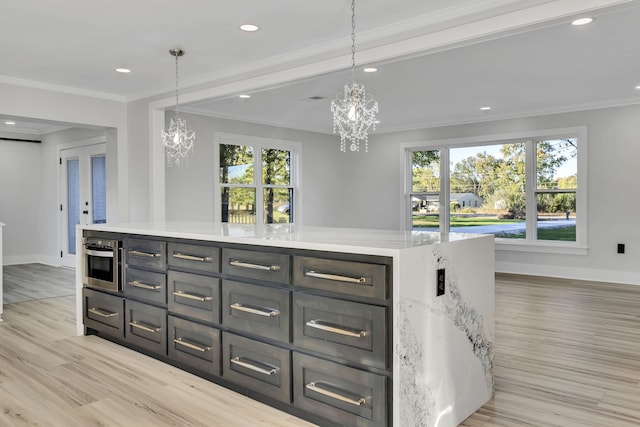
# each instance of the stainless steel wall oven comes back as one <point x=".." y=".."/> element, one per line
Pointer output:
<point x="102" y="263"/>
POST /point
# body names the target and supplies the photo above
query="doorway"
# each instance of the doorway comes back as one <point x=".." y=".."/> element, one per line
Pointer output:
<point x="82" y="194"/>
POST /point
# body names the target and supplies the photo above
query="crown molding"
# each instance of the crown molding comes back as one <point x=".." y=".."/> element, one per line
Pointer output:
<point x="62" y="89"/>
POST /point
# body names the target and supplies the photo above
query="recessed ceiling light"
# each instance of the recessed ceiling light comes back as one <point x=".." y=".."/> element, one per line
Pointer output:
<point x="123" y="70"/>
<point x="244" y="96"/>
<point x="249" y="27"/>
<point x="485" y="108"/>
<point x="582" y="21"/>
<point x="370" y="70"/>
<point x="638" y="87"/>
<point x="9" y="122"/>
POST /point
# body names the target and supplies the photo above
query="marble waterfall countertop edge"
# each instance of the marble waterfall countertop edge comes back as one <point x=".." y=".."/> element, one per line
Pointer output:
<point x="358" y="240"/>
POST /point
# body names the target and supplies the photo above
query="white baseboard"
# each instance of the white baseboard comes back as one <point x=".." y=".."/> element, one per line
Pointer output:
<point x="609" y="276"/>
<point x="31" y="259"/>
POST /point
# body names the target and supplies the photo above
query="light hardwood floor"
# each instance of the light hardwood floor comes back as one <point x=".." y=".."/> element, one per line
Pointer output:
<point x="567" y="354"/>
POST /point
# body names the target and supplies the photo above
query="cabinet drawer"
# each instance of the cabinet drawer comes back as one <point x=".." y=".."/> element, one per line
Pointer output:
<point x="271" y="267"/>
<point x="148" y="254"/>
<point x="146" y="326"/>
<point x="147" y="285"/>
<point x="103" y="312"/>
<point x="194" y="296"/>
<point x="258" y="310"/>
<point x="258" y="366"/>
<point x="205" y="259"/>
<point x="344" y="395"/>
<point x="343" y="277"/>
<point x="195" y="345"/>
<point x="344" y="329"/>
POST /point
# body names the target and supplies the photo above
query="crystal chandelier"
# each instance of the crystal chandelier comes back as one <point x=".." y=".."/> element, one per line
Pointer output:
<point x="355" y="112"/>
<point x="178" y="139"/>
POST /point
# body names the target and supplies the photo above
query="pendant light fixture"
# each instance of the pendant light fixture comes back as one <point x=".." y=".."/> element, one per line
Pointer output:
<point x="178" y="139"/>
<point x="355" y="112"/>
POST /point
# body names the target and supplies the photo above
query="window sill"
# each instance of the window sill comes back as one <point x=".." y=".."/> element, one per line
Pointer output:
<point x="541" y="247"/>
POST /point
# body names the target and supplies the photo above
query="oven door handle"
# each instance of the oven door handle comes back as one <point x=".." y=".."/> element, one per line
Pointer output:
<point x="102" y="254"/>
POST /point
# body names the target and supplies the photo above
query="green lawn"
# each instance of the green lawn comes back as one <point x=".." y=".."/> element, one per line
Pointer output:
<point x="558" y="234"/>
<point x="460" y="221"/>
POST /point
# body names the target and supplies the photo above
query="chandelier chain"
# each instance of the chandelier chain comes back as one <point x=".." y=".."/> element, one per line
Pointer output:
<point x="353" y="40"/>
<point x="177" y="85"/>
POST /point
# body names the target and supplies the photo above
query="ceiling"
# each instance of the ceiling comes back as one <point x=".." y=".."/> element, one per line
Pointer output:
<point x="439" y="61"/>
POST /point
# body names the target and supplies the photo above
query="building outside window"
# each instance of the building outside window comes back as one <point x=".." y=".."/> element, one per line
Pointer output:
<point x="255" y="184"/>
<point x="520" y="190"/>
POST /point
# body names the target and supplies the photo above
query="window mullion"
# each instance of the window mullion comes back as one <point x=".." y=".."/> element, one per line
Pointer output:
<point x="445" y="205"/>
<point x="531" y="185"/>
<point x="257" y="177"/>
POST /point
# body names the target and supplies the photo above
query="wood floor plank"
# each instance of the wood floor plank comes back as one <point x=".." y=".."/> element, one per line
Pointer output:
<point x="567" y="354"/>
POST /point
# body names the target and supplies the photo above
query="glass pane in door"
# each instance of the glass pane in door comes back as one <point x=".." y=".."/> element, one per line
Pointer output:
<point x="98" y="190"/>
<point x="73" y="203"/>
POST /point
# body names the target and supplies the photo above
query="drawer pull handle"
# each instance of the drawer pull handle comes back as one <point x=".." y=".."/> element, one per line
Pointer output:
<point x="186" y="295"/>
<point x="144" y="254"/>
<point x="330" y="327"/>
<point x="144" y="327"/>
<point x="141" y="285"/>
<point x="274" y="370"/>
<point x="101" y="313"/>
<point x="190" y="345"/>
<point x="254" y="266"/>
<point x="335" y="277"/>
<point x="266" y="311"/>
<point x="315" y="386"/>
<point x="192" y="257"/>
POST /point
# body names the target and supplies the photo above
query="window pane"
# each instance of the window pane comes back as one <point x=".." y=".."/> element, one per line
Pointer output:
<point x="425" y="212"/>
<point x="488" y="190"/>
<point x="239" y="205"/>
<point x="276" y="166"/>
<point x="425" y="171"/>
<point x="73" y="203"/>
<point x="557" y="164"/>
<point x="556" y="216"/>
<point x="236" y="164"/>
<point x="278" y="205"/>
<point x="98" y="190"/>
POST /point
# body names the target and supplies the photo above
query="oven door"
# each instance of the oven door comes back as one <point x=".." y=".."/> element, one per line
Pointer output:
<point x="102" y="267"/>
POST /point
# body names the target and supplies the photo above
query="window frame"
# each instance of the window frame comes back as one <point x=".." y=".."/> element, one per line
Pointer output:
<point x="258" y="144"/>
<point x="530" y="243"/>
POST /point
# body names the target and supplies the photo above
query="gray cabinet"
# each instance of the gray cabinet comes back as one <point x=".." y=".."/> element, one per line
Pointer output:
<point x="146" y="326"/>
<point x="195" y="257"/>
<point x="345" y="395"/>
<point x="194" y="296"/>
<point x="150" y="286"/>
<point x="254" y="264"/>
<point x="194" y="345"/>
<point x="349" y="330"/>
<point x="146" y="254"/>
<point x="103" y="312"/>
<point x="258" y="366"/>
<point x="256" y="310"/>
<point x="308" y="329"/>
<point x="360" y="279"/>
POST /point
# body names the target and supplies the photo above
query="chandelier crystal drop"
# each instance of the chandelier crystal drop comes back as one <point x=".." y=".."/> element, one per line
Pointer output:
<point x="178" y="139"/>
<point x="354" y="112"/>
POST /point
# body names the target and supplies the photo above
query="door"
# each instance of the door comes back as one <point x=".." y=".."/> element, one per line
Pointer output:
<point x="83" y="194"/>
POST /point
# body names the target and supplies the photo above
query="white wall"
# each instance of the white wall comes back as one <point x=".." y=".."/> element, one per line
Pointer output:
<point x="189" y="190"/>
<point x="20" y="180"/>
<point x="32" y="210"/>
<point x="613" y="190"/>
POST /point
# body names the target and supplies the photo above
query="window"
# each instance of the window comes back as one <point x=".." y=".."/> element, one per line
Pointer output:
<point x="255" y="181"/>
<point x="525" y="190"/>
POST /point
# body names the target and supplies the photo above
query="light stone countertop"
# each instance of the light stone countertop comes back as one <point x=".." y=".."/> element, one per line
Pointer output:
<point x="366" y="241"/>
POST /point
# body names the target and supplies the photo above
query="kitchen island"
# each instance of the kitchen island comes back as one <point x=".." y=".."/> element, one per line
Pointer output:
<point x="360" y="327"/>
